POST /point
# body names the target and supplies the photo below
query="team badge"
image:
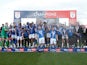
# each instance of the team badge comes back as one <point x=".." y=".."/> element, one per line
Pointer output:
<point x="17" y="15"/>
<point x="72" y="14"/>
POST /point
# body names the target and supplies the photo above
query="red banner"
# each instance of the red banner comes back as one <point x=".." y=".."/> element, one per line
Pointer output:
<point x="71" y="14"/>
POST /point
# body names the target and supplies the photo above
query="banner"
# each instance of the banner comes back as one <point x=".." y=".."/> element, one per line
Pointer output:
<point x="43" y="50"/>
<point x="71" y="14"/>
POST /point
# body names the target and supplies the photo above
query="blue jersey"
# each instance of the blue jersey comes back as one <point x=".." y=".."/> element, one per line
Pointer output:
<point x="64" y="32"/>
<point x="19" y="32"/>
<point x="69" y="32"/>
<point x="60" y="31"/>
<point x="32" y="30"/>
<point x="26" y="34"/>
<point x="27" y="27"/>
<point x="9" y="34"/>
<point x="13" y="32"/>
<point x="40" y="33"/>
<point x="53" y="34"/>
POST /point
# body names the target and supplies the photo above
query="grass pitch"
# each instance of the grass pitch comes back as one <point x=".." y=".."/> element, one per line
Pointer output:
<point x="47" y="58"/>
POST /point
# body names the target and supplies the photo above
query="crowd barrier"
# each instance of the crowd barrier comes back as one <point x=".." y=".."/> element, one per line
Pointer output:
<point x="43" y="50"/>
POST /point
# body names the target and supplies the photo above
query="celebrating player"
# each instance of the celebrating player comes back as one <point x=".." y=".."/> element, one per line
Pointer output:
<point x="19" y="37"/>
<point x="40" y="33"/>
<point x="32" y="34"/>
<point x="54" y="37"/>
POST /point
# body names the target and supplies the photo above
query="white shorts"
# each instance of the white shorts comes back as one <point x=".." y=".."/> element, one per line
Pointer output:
<point x="31" y="36"/>
<point x="36" y="36"/>
<point x="19" y="37"/>
<point x="13" y="36"/>
<point x="41" y="40"/>
<point x="48" y="35"/>
<point x="65" y="37"/>
<point x="52" y="41"/>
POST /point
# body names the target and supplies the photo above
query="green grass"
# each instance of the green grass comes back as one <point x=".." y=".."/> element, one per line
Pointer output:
<point x="17" y="58"/>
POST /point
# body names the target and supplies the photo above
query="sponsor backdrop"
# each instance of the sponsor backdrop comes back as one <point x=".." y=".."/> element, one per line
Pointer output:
<point x="70" y="14"/>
